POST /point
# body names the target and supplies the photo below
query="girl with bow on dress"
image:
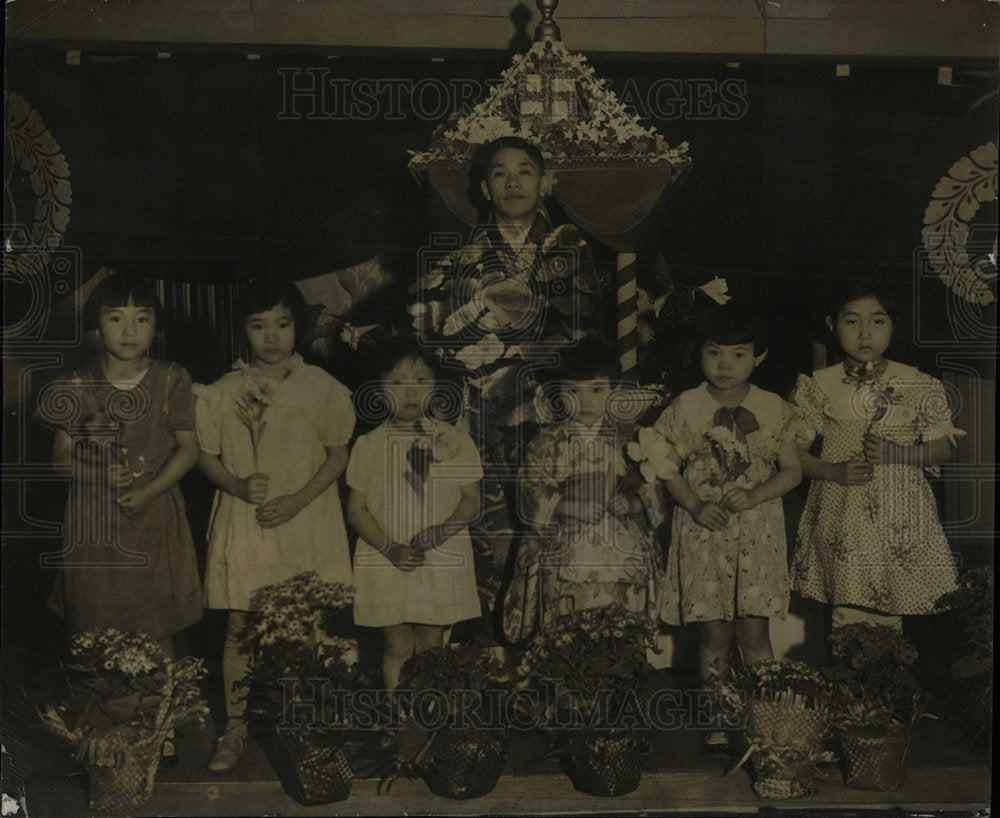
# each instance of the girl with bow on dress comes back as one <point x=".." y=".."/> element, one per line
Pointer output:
<point x="415" y="487"/>
<point x="734" y="450"/>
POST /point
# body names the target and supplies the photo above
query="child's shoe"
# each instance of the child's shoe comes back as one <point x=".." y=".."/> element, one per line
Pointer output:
<point x="715" y="743"/>
<point x="228" y="751"/>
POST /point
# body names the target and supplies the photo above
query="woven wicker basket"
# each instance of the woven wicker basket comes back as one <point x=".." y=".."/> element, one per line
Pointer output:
<point x="780" y="724"/>
<point x="603" y="763"/>
<point x="311" y="767"/>
<point x="464" y="763"/>
<point x="127" y="786"/>
<point x="788" y="739"/>
<point x="874" y="762"/>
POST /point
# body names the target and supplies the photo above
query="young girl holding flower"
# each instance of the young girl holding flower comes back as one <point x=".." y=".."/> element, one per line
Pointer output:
<point x="273" y="437"/>
<point x="870" y="542"/>
<point x="734" y="453"/>
<point x="415" y="487"/>
<point x="128" y="561"/>
<point x="590" y="541"/>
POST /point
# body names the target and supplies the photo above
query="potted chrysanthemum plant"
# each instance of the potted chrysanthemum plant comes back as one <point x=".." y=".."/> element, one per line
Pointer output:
<point x="455" y="734"/>
<point x="303" y="669"/>
<point x="589" y="669"/>
<point x="877" y="701"/>
<point x="125" y="698"/>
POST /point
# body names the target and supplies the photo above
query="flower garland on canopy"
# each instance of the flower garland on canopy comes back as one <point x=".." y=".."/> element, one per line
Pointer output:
<point x="609" y="135"/>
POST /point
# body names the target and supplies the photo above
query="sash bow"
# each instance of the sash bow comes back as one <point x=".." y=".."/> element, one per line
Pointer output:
<point x="740" y="420"/>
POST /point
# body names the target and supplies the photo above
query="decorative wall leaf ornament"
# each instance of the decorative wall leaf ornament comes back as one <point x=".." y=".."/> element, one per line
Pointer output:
<point x="30" y="149"/>
<point x="970" y="182"/>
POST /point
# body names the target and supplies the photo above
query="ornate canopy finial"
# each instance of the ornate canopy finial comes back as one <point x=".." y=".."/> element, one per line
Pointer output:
<point x="547" y="28"/>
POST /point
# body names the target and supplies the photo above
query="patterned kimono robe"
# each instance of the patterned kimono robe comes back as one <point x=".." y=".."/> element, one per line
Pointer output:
<point x="497" y="314"/>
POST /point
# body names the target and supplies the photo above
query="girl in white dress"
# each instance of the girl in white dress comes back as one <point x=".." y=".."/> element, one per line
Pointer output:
<point x="870" y="543"/>
<point x="415" y="487"/>
<point x="273" y="437"/>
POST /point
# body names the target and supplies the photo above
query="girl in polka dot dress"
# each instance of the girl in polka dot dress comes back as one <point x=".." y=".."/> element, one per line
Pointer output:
<point x="870" y="542"/>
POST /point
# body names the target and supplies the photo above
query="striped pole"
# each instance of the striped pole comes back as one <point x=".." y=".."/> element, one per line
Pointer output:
<point x="628" y="337"/>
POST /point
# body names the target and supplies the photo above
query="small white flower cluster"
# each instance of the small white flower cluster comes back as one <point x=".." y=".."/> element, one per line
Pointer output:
<point x="117" y="651"/>
<point x="293" y="610"/>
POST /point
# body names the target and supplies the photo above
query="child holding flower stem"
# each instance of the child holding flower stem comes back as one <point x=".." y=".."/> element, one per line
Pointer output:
<point x="129" y="560"/>
<point x="273" y="437"/>
<point x="415" y="487"/>
<point x="870" y="543"/>
<point x="734" y="449"/>
<point x="590" y="537"/>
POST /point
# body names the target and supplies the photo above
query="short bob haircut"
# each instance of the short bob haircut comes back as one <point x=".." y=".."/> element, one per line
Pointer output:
<point x="729" y="325"/>
<point x="844" y="292"/>
<point x="117" y="290"/>
<point x="381" y="359"/>
<point x="265" y="294"/>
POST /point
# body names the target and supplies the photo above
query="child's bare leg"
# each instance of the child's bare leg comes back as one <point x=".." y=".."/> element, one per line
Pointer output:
<point x="713" y="651"/>
<point x="754" y="637"/>
<point x="231" y="743"/>
<point x="398" y="648"/>
<point x="427" y="637"/>
<point x="235" y="664"/>
<point x="713" y="661"/>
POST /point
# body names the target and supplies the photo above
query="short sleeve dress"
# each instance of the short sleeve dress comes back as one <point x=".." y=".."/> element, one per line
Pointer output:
<point x="878" y="545"/>
<point x="741" y="570"/>
<point x="442" y="591"/>
<point x="130" y="572"/>
<point x="310" y="411"/>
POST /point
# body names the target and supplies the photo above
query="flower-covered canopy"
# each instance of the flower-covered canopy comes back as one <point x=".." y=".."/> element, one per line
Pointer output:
<point x="610" y="170"/>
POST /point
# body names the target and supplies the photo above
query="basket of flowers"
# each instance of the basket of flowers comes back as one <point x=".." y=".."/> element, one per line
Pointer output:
<point x="455" y="737"/>
<point x="589" y="668"/>
<point x="786" y="705"/>
<point x="126" y="697"/>
<point x="877" y="701"/>
<point x="302" y="669"/>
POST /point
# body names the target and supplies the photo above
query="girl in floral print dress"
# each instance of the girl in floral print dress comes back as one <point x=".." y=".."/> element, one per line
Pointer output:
<point x="734" y="454"/>
<point x="590" y="521"/>
<point x="870" y="543"/>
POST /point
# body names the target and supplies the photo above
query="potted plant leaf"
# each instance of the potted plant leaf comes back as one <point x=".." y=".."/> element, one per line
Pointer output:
<point x="126" y="697"/>
<point x="877" y="700"/>
<point x="589" y="670"/>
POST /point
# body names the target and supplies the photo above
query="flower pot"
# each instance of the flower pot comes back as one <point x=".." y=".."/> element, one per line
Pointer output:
<point x="128" y="785"/>
<point x="603" y="763"/>
<point x="464" y="763"/>
<point x="311" y="767"/>
<point x="874" y="760"/>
